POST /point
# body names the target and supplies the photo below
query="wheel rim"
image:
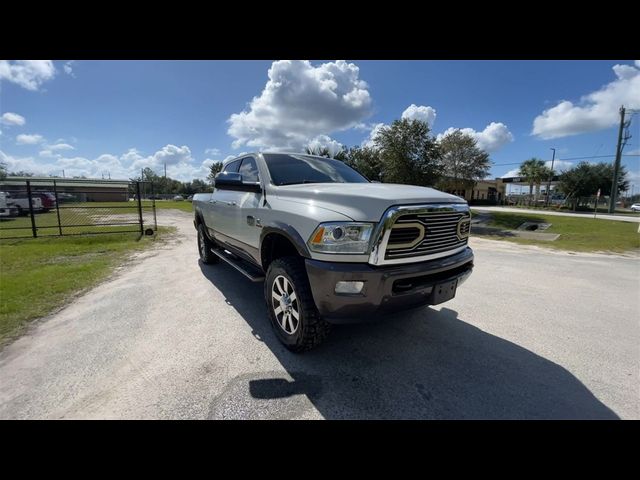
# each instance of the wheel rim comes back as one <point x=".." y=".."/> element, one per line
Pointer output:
<point x="201" y="244"/>
<point x="284" y="302"/>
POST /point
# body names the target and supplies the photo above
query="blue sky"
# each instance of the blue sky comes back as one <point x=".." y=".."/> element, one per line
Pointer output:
<point x="94" y="117"/>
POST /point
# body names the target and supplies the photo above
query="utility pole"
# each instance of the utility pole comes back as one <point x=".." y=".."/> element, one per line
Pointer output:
<point x="616" y="168"/>
<point x="549" y="182"/>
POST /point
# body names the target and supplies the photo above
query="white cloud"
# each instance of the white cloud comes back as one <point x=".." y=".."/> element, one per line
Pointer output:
<point x="321" y="142"/>
<point x="212" y="151"/>
<point x="423" y="113"/>
<point x="375" y="129"/>
<point x="10" y="118"/>
<point x="61" y="146"/>
<point x="596" y="110"/>
<point x="29" y="74"/>
<point x="47" y="153"/>
<point x="493" y="137"/>
<point x="511" y="173"/>
<point x="68" y="68"/>
<point x="300" y="102"/>
<point x="560" y="165"/>
<point x="180" y="164"/>
<point x="27" y="164"/>
<point x="29" y="139"/>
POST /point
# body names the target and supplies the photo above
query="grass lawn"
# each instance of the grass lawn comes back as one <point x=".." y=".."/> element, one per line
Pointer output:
<point x="75" y="217"/>
<point x="40" y="275"/>
<point x="576" y="234"/>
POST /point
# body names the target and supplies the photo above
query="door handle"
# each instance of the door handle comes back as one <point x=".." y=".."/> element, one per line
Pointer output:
<point x="213" y="201"/>
<point x="231" y="204"/>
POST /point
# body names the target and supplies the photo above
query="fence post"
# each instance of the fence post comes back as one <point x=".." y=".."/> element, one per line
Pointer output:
<point x="140" y="207"/>
<point x="33" y="219"/>
<point x="153" y="204"/>
<point x="55" y="193"/>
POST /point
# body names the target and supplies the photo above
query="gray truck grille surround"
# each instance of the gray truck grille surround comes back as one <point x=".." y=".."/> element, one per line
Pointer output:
<point x="423" y="232"/>
<point x="441" y="233"/>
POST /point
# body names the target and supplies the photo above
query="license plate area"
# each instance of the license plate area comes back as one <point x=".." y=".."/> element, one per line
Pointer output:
<point x="443" y="292"/>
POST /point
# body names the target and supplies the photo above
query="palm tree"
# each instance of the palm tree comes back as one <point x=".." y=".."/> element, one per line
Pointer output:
<point x="536" y="172"/>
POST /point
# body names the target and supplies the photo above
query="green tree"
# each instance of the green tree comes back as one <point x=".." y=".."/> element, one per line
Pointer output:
<point x="586" y="178"/>
<point x="536" y="172"/>
<point x="408" y="153"/>
<point x="365" y="160"/>
<point x="215" y="168"/>
<point x="463" y="163"/>
<point x="3" y="170"/>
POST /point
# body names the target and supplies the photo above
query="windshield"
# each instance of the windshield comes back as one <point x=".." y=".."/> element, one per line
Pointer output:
<point x="290" y="169"/>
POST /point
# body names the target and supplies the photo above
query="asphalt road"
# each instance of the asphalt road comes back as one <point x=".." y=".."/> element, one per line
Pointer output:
<point x="602" y="216"/>
<point x="532" y="334"/>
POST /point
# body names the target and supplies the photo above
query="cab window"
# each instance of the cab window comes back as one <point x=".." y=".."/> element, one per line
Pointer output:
<point x="249" y="170"/>
<point x="232" y="167"/>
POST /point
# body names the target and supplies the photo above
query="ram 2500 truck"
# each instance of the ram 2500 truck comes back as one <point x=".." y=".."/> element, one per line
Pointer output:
<point x="329" y="245"/>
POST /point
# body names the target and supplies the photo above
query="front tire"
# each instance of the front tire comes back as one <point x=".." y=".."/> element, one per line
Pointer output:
<point x="204" y="247"/>
<point x="292" y="311"/>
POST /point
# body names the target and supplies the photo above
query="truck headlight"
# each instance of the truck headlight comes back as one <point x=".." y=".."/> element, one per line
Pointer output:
<point x="341" y="237"/>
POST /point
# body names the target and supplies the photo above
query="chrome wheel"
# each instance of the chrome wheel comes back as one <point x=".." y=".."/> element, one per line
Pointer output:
<point x="284" y="302"/>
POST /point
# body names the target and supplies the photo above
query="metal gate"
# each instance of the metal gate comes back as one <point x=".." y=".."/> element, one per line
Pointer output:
<point x="31" y="207"/>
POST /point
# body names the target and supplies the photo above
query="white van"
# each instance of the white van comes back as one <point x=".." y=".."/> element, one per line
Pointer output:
<point x="6" y="210"/>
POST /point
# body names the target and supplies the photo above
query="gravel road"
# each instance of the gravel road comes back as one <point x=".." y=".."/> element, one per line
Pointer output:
<point x="532" y="334"/>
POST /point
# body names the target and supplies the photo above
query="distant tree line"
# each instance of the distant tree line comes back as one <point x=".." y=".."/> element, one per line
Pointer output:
<point x="580" y="182"/>
<point x="166" y="185"/>
<point x="406" y="152"/>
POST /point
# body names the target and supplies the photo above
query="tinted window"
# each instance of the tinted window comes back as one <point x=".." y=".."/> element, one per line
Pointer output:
<point x="232" y="167"/>
<point x="289" y="169"/>
<point x="249" y="170"/>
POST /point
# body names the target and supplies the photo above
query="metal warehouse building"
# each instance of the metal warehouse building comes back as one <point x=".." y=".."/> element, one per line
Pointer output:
<point x="80" y="190"/>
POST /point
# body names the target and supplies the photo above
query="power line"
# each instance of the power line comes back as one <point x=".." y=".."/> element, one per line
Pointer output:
<point x="570" y="159"/>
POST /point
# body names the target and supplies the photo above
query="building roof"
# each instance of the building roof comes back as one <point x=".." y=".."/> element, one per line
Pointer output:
<point x="66" y="182"/>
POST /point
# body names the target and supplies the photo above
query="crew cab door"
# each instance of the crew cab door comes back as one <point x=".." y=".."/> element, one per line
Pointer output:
<point x="235" y="208"/>
<point x="218" y="215"/>
<point x="247" y="218"/>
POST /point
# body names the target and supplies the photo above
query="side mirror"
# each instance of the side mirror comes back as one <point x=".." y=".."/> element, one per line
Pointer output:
<point x="233" y="181"/>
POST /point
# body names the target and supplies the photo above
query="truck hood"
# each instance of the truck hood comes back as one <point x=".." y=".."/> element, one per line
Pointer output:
<point x="362" y="201"/>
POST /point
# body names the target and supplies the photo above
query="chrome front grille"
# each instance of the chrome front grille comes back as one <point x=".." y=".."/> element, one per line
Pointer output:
<point x="442" y="231"/>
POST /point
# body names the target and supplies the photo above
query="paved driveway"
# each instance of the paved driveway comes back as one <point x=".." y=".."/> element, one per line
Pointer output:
<point x="532" y="334"/>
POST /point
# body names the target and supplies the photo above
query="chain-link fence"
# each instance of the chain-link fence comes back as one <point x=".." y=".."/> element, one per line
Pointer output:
<point x="32" y="207"/>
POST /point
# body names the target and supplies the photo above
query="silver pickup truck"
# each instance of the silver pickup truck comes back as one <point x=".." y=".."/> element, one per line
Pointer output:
<point x="331" y="246"/>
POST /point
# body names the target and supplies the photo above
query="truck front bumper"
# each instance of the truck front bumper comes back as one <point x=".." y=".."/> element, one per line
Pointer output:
<point x="386" y="289"/>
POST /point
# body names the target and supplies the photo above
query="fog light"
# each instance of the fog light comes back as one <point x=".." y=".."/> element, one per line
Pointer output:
<point x="349" y="287"/>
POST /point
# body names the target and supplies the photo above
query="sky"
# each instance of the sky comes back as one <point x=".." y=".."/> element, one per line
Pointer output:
<point x="113" y="118"/>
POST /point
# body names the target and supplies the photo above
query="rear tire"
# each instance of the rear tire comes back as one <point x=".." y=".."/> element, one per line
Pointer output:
<point x="292" y="311"/>
<point x="204" y="247"/>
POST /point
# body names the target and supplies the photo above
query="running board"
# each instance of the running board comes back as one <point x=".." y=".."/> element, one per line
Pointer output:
<point x="235" y="264"/>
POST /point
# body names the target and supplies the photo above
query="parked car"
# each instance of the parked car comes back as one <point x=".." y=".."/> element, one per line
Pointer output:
<point x="48" y="200"/>
<point x="179" y="198"/>
<point x="635" y="207"/>
<point x="329" y="245"/>
<point x="21" y="202"/>
<point x="6" y="209"/>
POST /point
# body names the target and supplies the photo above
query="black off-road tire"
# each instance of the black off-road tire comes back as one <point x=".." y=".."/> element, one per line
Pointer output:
<point x="312" y="329"/>
<point x="204" y="247"/>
